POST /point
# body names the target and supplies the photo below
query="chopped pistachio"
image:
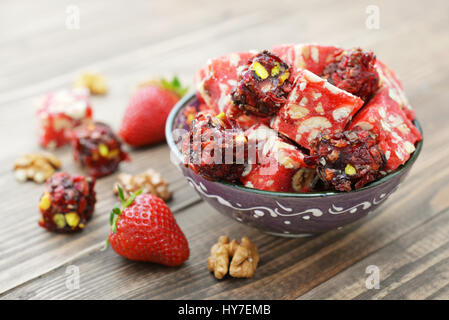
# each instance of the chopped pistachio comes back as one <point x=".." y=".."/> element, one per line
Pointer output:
<point x="113" y="153"/>
<point x="240" y="138"/>
<point x="350" y="170"/>
<point x="190" y="118"/>
<point x="284" y="77"/>
<point x="59" y="220"/>
<point x="72" y="219"/>
<point x="221" y="116"/>
<point x="45" y="202"/>
<point x="260" y="70"/>
<point x="103" y="149"/>
<point x="275" y="71"/>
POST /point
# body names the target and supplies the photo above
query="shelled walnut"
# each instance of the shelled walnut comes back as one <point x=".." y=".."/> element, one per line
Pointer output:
<point x="302" y="179"/>
<point x="96" y="83"/>
<point x="149" y="181"/>
<point x="244" y="258"/>
<point x="36" y="166"/>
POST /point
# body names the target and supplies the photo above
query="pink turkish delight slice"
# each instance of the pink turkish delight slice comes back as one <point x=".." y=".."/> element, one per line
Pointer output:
<point x="314" y="106"/>
<point x="307" y="56"/>
<point x="216" y="81"/>
<point x="396" y="95"/>
<point x="276" y="162"/>
<point x="59" y="112"/>
<point x="396" y="133"/>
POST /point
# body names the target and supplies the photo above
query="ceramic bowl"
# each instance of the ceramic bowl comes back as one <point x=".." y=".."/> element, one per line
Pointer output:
<point x="284" y="214"/>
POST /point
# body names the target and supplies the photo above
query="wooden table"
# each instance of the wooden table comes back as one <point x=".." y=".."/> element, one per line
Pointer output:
<point x="408" y="239"/>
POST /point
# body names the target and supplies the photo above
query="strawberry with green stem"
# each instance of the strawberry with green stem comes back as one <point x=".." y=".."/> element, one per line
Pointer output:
<point x="144" y="229"/>
<point x="144" y="120"/>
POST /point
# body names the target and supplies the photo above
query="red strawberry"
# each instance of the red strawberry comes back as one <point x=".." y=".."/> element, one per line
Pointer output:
<point x="144" y="229"/>
<point x="145" y="116"/>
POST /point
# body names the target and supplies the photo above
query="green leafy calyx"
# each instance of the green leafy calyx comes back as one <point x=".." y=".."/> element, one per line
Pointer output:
<point x="174" y="86"/>
<point x="117" y="210"/>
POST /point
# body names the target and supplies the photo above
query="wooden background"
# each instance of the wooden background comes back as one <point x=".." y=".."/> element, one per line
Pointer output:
<point x="129" y="41"/>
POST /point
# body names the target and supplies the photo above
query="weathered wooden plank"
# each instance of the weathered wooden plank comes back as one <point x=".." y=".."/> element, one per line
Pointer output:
<point x="288" y="268"/>
<point x="39" y="251"/>
<point x="46" y="56"/>
<point x="415" y="266"/>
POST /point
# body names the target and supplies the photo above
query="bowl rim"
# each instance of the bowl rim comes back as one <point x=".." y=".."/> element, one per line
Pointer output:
<point x="173" y="148"/>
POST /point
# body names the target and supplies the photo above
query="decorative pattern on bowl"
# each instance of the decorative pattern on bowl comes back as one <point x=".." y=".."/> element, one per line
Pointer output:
<point x="286" y="214"/>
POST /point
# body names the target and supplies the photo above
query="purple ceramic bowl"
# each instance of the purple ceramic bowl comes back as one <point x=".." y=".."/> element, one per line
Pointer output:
<point x="284" y="214"/>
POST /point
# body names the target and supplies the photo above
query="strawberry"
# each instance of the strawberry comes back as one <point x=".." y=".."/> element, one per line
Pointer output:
<point x="144" y="119"/>
<point x="144" y="229"/>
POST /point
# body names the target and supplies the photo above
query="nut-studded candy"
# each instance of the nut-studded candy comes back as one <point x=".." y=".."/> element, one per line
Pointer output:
<point x="215" y="148"/>
<point x="149" y="181"/>
<point x="68" y="202"/>
<point x="396" y="133"/>
<point x="389" y="82"/>
<point x="263" y="85"/>
<point x="306" y="56"/>
<point x="245" y="121"/>
<point x="218" y="78"/>
<point x="97" y="148"/>
<point x="60" y="112"/>
<point x="347" y="160"/>
<point x="274" y="163"/>
<point x="35" y="166"/>
<point x="354" y="71"/>
<point x="314" y="106"/>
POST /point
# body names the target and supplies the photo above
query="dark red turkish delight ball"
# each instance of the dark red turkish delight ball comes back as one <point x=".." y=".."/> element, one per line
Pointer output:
<point x="215" y="148"/>
<point x="97" y="148"/>
<point x="68" y="202"/>
<point x="347" y="160"/>
<point x="263" y="85"/>
<point x="354" y="72"/>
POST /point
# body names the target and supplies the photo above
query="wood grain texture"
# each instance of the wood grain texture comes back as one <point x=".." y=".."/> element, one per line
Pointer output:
<point x="407" y="238"/>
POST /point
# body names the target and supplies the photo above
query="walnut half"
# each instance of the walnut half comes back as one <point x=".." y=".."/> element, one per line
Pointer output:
<point x="302" y="179"/>
<point x="96" y="83"/>
<point x="244" y="258"/>
<point x="36" y="166"/>
<point x="149" y="181"/>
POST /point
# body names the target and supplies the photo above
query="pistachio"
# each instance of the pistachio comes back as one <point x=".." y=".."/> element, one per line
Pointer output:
<point x="72" y="219"/>
<point x="45" y="202"/>
<point x="350" y="170"/>
<point x="260" y="70"/>
<point x="113" y="153"/>
<point x="240" y="138"/>
<point x="103" y="149"/>
<point x="275" y="71"/>
<point x="190" y="118"/>
<point x="284" y="77"/>
<point x="59" y="220"/>
<point x="221" y="116"/>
